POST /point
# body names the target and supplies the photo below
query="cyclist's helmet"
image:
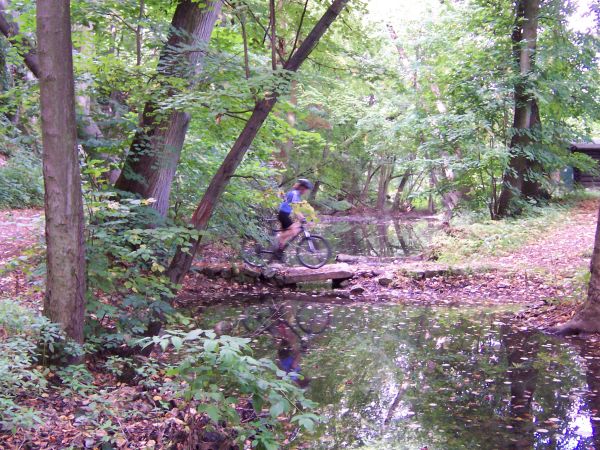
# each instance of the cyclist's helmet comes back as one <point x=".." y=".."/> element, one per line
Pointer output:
<point x="305" y="183"/>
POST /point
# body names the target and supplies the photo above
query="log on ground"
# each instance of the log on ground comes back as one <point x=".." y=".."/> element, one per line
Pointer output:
<point x="296" y="275"/>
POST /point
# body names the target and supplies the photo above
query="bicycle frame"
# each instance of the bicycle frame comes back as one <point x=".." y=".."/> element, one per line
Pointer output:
<point x="275" y="231"/>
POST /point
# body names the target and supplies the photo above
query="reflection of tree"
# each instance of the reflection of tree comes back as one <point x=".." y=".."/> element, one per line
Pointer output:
<point x="590" y="351"/>
<point x="401" y="240"/>
<point x="522" y="350"/>
<point x="385" y="249"/>
<point x="428" y="381"/>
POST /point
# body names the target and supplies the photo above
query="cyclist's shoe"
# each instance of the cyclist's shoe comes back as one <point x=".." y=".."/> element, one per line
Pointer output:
<point x="278" y="255"/>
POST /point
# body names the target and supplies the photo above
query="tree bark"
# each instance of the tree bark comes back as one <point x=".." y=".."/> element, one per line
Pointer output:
<point x="23" y="45"/>
<point x="64" y="302"/>
<point x="370" y="174"/>
<point x="587" y="319"/>
<point x="383" y="187"/>
<point x="153" y="156"/>
<point x="182" y="260"/>
<point x="401" y="185"/>
<point x="516" y="181"/>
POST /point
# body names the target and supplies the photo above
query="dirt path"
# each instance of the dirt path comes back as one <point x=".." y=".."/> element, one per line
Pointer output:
<point x="563" y="251"/>
<point x="19" y="231"/>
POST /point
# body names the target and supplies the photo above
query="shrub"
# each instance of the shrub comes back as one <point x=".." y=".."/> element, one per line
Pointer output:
<point x="21" y="182"/>
<point x="127" y="259"/>
<point x="26" y="341"/>
<point x="217" y="372"/>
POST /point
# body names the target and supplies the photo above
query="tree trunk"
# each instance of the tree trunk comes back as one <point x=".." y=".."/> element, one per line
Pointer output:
<point x="401" y="185"/>
<point x="182" y="260"/>
<point x="587" y="319"/>
<point x="384" y="184"/>
<point x="150" y="166"/>
<point x="65" y="261"/>
<point x="526" y="115"/>
<point x="365" y="191"/>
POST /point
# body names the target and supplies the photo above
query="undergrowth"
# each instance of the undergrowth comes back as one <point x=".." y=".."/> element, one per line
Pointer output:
<point x="21" y="184"/>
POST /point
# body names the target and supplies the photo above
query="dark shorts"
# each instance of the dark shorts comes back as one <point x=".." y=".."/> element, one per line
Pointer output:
<point x="285" y="219"/>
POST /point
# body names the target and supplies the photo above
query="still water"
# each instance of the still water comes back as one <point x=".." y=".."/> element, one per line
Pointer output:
<point x="400" y="377"/>
<point x="379" y="238"/>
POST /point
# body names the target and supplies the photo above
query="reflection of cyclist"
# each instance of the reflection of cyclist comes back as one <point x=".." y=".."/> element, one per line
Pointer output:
<point x="289" y="353"/>
<point x="289" y="227"/>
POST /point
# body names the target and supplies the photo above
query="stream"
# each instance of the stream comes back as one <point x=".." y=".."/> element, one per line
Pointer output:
<point x="390" y="376"/>
<point x="379" y="238"/>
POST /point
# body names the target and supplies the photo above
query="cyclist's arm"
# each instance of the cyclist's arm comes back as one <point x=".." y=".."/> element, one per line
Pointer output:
<point x="297" y="199"/>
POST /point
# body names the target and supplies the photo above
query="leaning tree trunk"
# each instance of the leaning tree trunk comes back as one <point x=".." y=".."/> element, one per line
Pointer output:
<point x="587" y="319"/>
<point x="150" y="166"/>
<point x="183" y="259"/>
<point x="65" y="261"/>
<point x="526" y="116"/>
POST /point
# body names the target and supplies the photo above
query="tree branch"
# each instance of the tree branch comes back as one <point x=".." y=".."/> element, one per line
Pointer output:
<point x="24" y="46"/>
<point x="299" y="28"/>
<point x="273" y="28"/>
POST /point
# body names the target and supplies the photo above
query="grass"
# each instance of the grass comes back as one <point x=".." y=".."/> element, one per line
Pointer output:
<point x="473" y="237"/>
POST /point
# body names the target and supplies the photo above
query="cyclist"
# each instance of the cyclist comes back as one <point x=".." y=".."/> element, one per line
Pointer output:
<point x="288" y="226"/>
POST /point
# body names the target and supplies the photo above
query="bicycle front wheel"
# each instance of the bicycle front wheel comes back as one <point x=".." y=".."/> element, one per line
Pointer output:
<point x="313" y="252"/>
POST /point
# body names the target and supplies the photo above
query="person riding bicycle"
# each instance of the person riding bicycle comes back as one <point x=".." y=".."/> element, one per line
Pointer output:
<point x="289" y="227"/>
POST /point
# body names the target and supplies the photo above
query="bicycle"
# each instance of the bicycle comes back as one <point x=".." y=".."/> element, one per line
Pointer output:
<point x="312" y="251"/>
<point x="300" y="319"/>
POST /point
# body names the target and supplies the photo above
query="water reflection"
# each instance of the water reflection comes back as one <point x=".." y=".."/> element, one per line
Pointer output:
<point x="291" y="325"/>
<point x="380" y="239"/>
<point x="392" y="377"/>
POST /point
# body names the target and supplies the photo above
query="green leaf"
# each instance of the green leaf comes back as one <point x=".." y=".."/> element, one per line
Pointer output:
<point x="211" y="411"/>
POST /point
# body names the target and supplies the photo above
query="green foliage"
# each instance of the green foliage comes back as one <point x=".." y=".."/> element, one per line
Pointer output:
<point x="27" y="341"/>
<point x="21" y="183"/>
<point x="127" y="259"/>
<point x="219" y="371"/>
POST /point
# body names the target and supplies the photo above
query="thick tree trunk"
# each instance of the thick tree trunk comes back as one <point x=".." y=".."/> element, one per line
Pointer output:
<point x="183" y="260"/>
<point x="150" y="166"/>
<point x="65" y="264"/>
<point x="526" y="114"/>
<point x="587" y="319"/>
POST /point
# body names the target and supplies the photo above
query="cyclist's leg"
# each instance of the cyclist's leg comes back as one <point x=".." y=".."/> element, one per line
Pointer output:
<point x="288" y="234"/>
<point x="288" y="229"/>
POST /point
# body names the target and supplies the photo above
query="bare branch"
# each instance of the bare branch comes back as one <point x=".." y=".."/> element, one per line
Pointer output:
<point x="273" y="28"/>
<point x="299" y="28"/>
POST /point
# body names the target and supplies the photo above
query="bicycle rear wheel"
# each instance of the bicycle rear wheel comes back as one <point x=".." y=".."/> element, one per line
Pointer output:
<point x="255" y="255"/>
<point x="313" y="252"/>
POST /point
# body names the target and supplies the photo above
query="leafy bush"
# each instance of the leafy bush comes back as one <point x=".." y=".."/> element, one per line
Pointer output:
<point x="26" y="340"/>
<point x="21" y="183"/>
<point x="219" y="371"/>
<point x="127" y="259"/>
